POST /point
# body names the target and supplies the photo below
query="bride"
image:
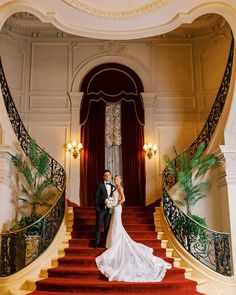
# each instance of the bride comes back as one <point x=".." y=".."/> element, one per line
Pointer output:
<point x="125" y="260"/>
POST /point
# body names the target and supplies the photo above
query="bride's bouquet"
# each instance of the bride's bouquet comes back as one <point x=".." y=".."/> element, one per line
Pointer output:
<point x="111" y="202"/>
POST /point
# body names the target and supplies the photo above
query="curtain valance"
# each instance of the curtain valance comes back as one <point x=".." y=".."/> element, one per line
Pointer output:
<point x="122" y="96"/>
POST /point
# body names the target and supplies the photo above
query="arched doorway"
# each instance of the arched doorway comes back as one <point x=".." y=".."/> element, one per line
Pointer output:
<point x="107" y="84"/>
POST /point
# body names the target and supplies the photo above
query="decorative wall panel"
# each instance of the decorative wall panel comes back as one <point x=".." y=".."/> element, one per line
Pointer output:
<point x="13" y="63"/>
<point x="175" y="103"/>
<point x="212" y="68"/>
<point x="174" y="66"/>
<point x="49" y="67"/>
<point x="140" y="52"/>
<point x="48" y="102"/>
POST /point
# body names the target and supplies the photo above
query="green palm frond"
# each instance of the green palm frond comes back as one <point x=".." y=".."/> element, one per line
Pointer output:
<point x="33" y="152"/>
<point x="43" y="163"/>
<point x="186" y="169"/>
<point x="196" y="198"/>
<point x="22" y="167"/>
<point x="199" y="219"/>
<point x="206" y="163"/>
<point x="47" y="183"/>
<point x="39" y="160"/>
<point x="185" y="180"/>
<point x="170" y="165"/>
<point x="185" y="163"/>
<point x="197" y="156"/>
<point x="176" y="153"/>
<point x="200" y="186"/>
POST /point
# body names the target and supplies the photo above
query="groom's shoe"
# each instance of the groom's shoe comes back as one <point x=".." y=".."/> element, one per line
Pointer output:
<point x="96" y="244"/>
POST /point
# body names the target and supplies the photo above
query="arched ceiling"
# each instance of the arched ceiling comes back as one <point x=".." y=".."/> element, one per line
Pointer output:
<point x="118" y="19"/>
<point x="28" y="25"/>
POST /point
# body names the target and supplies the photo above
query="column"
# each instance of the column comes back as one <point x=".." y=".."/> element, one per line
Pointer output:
<point x="229" y="152"/>
<point x="151" y="166"/>
<point x="8" y="197"/>
<point x="74" y="164"/>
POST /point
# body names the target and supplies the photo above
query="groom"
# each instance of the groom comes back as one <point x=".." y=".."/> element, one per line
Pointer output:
<point x="104" y="190"/>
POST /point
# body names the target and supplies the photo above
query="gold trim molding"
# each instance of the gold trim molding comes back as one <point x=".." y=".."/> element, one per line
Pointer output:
<point x="117" y="13"/>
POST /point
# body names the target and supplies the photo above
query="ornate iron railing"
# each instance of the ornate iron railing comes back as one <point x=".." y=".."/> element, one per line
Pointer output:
<point x="19" y="248"/>
<point x="209" y="247"/>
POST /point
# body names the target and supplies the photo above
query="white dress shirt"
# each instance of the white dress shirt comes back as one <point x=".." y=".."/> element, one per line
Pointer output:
<point x="108" y="187"/>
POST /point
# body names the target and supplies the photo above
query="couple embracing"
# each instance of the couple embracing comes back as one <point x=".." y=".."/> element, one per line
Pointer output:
<point x="124" y="259"/>
<point x="105" y="190"/>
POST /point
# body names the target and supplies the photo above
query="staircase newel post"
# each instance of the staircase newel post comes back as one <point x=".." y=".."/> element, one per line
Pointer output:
<point x="7" y="185"/>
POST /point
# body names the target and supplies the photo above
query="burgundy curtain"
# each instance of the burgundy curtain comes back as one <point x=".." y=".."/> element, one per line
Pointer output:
<point x="112" y="82"/>
<point x="92" y="157"/>
<point x="132" y="156"/>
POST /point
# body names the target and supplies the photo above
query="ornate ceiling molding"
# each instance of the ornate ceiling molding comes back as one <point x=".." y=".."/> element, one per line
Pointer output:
<point x="159" y="22"/>
<point x="129" y="12"/>
<point x="28" y="25"/>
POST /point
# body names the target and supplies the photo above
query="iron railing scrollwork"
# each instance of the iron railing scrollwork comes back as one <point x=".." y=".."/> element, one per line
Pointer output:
<point x="210" y="247"/>
<point x="21" y="247"/>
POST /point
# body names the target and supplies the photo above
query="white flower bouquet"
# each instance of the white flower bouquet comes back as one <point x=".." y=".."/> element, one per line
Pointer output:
<point x="111" y="202"/>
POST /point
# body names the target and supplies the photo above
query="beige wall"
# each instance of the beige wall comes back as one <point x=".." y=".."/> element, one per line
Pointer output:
<point x="180" y="77"/>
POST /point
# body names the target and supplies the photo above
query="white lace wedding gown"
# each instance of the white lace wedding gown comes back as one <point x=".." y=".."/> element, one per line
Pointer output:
<point x="128" y="261"/>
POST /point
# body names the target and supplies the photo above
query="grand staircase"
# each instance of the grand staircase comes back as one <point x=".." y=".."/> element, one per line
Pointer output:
<point x="77" y="272"/>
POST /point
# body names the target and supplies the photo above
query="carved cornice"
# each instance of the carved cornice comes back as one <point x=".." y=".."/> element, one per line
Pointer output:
<point x="229" y="152"/>
<point x="148" y="100"/>
<point x="117" y="13"/>
<point x="28" y="25"/>
<point x="75" y="99"/>
<point x="112" y="47"/>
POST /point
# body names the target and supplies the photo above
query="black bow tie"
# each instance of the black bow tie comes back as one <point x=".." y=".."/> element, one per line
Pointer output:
<point x="108" y="183"/>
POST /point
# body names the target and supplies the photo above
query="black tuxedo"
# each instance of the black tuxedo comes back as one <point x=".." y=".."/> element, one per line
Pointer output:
<point x="102" y="213"/>
<point x="101" y="195"/>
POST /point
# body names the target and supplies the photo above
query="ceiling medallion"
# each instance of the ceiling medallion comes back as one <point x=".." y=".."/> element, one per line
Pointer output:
<point x="112" y="12"/>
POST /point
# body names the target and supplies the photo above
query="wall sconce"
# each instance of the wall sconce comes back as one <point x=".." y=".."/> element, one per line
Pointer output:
<point x="74" y="148"/>
<point x="150" y="150"/>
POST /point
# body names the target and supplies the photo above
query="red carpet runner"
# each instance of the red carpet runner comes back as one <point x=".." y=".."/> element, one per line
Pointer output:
<point x="77" y="272"/>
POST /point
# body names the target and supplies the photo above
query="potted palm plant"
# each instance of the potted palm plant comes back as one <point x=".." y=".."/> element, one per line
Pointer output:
<point x="37" y="193"/>
<point x="36" y="189"/>
<point x="189" y="172"/>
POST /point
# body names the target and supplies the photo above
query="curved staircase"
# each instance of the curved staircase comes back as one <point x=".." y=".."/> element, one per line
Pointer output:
<point x="77" y="273"/>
